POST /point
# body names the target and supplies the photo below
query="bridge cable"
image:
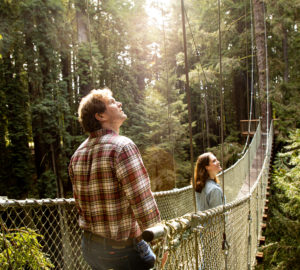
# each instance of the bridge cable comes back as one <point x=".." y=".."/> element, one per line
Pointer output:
<point x="90" y="43"/>
<point x="196" y="48"/>
<point x="250" y="110"/>
<point x="168" y="93"/>
<point x="189" y="101"/>
<point x="249" y="123"/>
<point x="267" y="70"/>
<point x="247" y="78"/>
<point x="225" y="245"/>
<point x="190" y="121"/>
<point x="200" y="83"/>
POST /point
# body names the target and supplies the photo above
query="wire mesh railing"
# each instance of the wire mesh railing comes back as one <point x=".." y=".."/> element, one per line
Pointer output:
<point x="178" y="202"/>
<point x="56" y="221"/>
<point x="195" y="241"/>
<point x="234" y="177"/>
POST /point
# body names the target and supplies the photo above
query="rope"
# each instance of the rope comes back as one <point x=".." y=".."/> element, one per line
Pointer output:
<point x="190" y="121"/>
<point x="267" y="69"/>
<point x="168" y="94"/>
<point x="250" y="115"/>
<point x="33" y="202"/>
<point x="90" y="43"/>
<point x="47" y="217"/>
<point x="252" y="79"/>
<point x="189" y="102"/>
<point x="247" y="79"/>
<point x="205" y="88"/>
<point x="196" y="47"/>
<point x="225" y="245"/>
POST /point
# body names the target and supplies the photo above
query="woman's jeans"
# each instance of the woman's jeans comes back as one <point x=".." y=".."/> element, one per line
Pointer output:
<point x="102" y="257"/>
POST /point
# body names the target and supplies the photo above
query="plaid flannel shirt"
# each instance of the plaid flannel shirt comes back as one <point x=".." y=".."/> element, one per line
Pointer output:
<point x="111" y="187"/>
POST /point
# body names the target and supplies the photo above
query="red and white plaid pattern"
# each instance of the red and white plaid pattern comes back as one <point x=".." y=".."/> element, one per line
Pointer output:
<point x="111" y="187"/>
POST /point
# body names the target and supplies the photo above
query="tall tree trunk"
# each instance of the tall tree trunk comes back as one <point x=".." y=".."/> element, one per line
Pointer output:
<point x="34" y="94"/>
<point x="4" y="155"/>
<point x="67" y="77"/>
<point x="17" y="128"/>
<point x="258" y="10"/>
<point x="239" y="97"/>
<point x="82" y="29"/>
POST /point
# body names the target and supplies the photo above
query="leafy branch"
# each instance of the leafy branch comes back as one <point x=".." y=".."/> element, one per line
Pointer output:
<point x="21" y="249"/>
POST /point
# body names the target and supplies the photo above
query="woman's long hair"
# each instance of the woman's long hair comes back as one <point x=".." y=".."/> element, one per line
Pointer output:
<point x="201" y="175"/>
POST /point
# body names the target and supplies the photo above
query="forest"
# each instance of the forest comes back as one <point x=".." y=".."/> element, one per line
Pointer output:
<point x="53" y="52"/>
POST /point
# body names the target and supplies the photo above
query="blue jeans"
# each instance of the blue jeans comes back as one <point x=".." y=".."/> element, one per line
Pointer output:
<point x="102" y="257"/>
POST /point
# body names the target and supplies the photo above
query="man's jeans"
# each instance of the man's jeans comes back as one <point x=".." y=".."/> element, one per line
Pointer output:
<point x="102" y="257"/>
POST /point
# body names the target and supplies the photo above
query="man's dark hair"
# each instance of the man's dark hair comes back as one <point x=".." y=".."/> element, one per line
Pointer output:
<point x="91" y="104"/>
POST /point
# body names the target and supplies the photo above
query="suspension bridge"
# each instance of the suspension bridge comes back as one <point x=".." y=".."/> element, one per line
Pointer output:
<point x="225" y="237"/>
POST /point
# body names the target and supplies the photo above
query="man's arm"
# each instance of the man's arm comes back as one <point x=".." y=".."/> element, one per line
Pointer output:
<point x="134" y="178"/>
<point x="71" y="175"/>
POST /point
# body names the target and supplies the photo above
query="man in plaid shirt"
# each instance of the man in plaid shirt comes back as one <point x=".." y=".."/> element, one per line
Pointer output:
<point x="111" y="189"/>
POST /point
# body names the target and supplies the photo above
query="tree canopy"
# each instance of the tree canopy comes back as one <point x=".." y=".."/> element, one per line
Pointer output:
<point x="54" y="52"/>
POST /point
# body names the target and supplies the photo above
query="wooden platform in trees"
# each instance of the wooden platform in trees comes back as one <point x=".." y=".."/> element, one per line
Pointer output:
<point x="244" y="124"/>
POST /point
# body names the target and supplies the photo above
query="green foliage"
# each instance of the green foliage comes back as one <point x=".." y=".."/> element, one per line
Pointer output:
<point x="285" y="101"/>
<point x="16" y="171"/>
<point x="232" y="152"/>
<point x="283" y="47"/>
<point x="46" y="185"/>
<point x="287" y="177"/>
<point x="167" y="135"/>
<point x="54" y="52"/>
<point x="20" y="249"/>
<point x="283" y="233"/>
<point x="160" y="166"/>
<point x="85" y="51"/>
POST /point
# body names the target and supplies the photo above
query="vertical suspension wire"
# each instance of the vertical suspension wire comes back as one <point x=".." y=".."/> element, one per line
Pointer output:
<point x="189" y="102"/>
<point x="267" y="70"/>
<point x="168" y="93"/>
<point x="225" y="245"/>
<point x="167" y="69"/>
<point x="221" y="95"/>
<point x="190" y="123"/>
<point x="249" y="184"/>
<point x="90" y="43"/>
<point x="200" y="82"/>
<point x="247" y="64"/>
<point x="247" y="79"/>
<point x="250" y="110"/>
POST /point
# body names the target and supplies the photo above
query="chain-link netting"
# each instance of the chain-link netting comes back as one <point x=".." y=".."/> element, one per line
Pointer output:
<point x="234" y="177"/>
<point x="55" y="220"/>
<point x="175" y="203"/>
<point x="187" y="241"/>
<point x="198" y="243"/>
<point x="178" y="202"/>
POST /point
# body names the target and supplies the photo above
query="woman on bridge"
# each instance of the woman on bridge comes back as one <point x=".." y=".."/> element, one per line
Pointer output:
<point x="208" y="195"/>
<point x="208" y="191"/>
